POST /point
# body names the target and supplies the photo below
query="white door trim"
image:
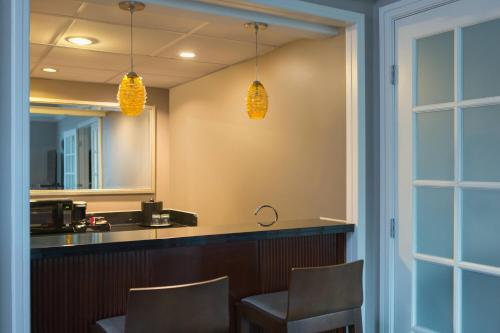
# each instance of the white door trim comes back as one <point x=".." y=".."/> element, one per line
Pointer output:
<point x="388" y="15"/>
<point x="15" y="177"/>
<point x="19" y="110"/>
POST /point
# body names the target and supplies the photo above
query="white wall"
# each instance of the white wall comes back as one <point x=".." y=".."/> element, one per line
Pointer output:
<point x="372" y="129"/>
<point x="224" y="165"/>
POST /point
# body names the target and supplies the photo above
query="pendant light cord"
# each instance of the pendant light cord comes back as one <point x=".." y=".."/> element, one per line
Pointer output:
<point x="256" y="52"/>
<point x="131" y="39"/>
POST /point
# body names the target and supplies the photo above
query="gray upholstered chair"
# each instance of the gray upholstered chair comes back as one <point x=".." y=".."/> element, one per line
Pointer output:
<point x="194" y="308"/>
<point x="319" y="299"/>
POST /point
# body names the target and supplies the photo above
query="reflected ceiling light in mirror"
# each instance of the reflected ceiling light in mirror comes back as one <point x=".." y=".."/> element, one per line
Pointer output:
<point x="132" y="92"/>
<point x="81" y="41"/>
<point x="49" y="70"/>
<point x="257" y="101"/>
<point x="187" y="54"/>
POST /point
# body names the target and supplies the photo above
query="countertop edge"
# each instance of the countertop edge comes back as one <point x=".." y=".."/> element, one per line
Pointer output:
<point x="195" y="240"/>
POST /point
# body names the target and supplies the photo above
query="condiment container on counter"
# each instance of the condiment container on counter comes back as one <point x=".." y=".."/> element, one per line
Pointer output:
<point x="165" y="219"/>
<point x="150" y="208"/>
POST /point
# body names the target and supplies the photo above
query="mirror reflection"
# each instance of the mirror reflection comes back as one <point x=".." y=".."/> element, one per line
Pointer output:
<point x="86" y="149"/>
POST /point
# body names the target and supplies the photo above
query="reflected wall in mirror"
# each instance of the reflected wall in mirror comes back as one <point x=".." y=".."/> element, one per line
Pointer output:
<point x="78" y="147"/>
<point x="65" y="152"/>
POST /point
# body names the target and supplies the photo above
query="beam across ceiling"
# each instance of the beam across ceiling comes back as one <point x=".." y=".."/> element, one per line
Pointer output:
<point x="248" y="15"/>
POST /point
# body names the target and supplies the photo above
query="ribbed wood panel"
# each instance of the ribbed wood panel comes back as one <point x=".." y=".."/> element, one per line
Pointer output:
<point x="278" y="256"/>
<point x="69" y="293"/>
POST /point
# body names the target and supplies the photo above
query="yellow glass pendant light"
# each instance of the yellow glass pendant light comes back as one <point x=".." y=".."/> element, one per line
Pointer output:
<point x="257" y="100"/>
<point x="132" y="92"/>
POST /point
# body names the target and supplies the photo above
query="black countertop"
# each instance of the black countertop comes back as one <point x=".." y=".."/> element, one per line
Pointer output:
<point x="62" y="244"/>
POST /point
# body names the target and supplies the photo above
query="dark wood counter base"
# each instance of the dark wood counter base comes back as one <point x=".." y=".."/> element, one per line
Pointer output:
<point x="70" y="292"/>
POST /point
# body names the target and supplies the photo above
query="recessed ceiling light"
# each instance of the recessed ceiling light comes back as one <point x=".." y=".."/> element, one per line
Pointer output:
<point x="81" y="41"/>
<point x="49" y="69"/>
<point x="187" y="54"/>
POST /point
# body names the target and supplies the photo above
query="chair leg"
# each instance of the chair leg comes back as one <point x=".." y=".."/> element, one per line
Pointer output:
<point x="358" y="322"/>
<point x="243" y="325"/>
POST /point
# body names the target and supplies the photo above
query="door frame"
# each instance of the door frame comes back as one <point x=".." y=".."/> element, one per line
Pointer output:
<point x="14" y="164"/>
<point x="90" y="123"/>
<point x="388" y="15"/>
<point x="14" y="206"/>
<point x="73" y="132"/>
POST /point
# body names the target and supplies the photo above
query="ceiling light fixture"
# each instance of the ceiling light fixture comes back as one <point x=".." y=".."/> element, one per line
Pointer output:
<point x="132" y="92"/>
<point x="257" y="101"/>
<point x="81" y="41"/>
<point x="49" y="70"/>
<point x="187" y="54"/>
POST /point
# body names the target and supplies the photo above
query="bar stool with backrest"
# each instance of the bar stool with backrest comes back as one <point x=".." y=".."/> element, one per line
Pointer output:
<point x="319" y="299"/>
<point x="201" y="307"/>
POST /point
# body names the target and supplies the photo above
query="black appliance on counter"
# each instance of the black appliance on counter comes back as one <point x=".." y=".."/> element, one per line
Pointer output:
<point x="79" y="211"/>
<point x="150" y="209"/>
<point x="51" y="216"/>
<point x="57" y="216"/>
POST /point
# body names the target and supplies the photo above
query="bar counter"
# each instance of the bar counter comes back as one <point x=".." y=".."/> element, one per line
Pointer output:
<point x="77" y="279"/>
<point x="60" y="244"/>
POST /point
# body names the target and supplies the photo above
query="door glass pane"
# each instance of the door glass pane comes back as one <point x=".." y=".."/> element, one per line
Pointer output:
<point x="435" y="74"/>
<point x="434" y="141"/>
<point x="481" y="226"/>
<point x="481" y="143"/>
<point x="481" y="65"/>
<point x="480" y="302"/>
<point x="434" y="297"/>
<point x="435" y="221"/>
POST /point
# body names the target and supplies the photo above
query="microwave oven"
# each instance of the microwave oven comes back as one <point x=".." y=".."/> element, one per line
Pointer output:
<point x="51" y="216"/>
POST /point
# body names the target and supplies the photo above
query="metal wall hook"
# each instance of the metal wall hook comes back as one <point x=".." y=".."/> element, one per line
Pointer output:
<point x="275" y="215"/>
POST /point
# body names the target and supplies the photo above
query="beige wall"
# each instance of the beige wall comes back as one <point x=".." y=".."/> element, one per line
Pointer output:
<point x="223" y="165"/>
<point x="107" y="93"/>
<point x="126" y="139"/>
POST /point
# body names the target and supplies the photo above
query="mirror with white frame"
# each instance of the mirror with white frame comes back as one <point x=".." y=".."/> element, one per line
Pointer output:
<point x="90" y="148"/>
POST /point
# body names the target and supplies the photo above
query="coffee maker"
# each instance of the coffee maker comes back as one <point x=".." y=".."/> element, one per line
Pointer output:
<point x="151" y="209"/>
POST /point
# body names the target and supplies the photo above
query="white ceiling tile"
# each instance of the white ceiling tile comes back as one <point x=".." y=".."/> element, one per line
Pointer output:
<point x="153" y="17"/>
<point x="36" y="53"/>
<point x="215" y="50"/>
<point x="59" y="7"/>
<point x="156" y="80"/>
<point x="273" y="35"/>
<point x="74" y="57"/>
<point x="218" y="41"/>
<point x="44" y="28"/>
<point x="116" y="38"/>
<point x="75" y="74"/>
<point x="162" y="81"/>
<point x="174" y="67"/>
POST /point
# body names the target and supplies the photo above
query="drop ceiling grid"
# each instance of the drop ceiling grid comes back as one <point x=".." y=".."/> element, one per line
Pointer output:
<point x="79" y="24"/>
<point x="113" y="77"/>
<point x="159" y="36"/>
<point x="75" y="10"/>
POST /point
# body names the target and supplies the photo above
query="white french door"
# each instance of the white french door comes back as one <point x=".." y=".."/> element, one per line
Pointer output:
<point x="447" y="246"/>
<point x="70" y="155"/>
<point x="95" y="153"/>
